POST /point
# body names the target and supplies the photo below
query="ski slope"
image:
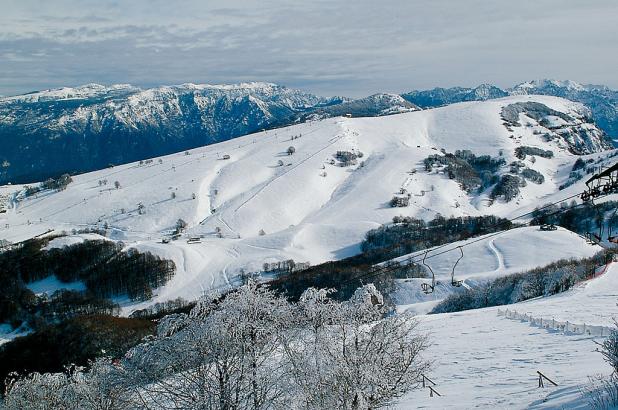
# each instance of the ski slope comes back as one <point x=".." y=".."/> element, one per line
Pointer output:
<point x="487" y="258"/>
<point x="308" y="209"/>
<point x="482" y="360"/>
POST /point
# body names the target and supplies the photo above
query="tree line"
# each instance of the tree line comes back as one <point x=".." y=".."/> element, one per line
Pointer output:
<point x="105" y="268"/>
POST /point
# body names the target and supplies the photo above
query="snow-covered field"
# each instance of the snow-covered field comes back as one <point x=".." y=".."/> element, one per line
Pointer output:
<point x="308" y="209"/>
<point x="482" y="360"/>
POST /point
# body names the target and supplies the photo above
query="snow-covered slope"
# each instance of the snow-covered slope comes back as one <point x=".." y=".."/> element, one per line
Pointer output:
<point x="307" y="206"/>
<point x="482" y="360"/>
<point x="487" y="258"/>
<point x="601" y="100"/>
<point x="85" y="128"/>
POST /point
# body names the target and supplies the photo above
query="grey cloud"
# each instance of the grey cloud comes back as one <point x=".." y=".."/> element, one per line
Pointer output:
<point x="328" y="47"/>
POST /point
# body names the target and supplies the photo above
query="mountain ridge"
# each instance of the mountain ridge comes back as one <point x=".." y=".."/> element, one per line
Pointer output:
<point x="80" y="129"/>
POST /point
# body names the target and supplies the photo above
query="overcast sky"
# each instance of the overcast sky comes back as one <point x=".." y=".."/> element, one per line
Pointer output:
<point x="329" y="47"/>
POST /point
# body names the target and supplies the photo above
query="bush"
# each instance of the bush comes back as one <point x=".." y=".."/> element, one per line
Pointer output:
<point x="251" y="349"/>
<point x="507" y="188"/>
<point x="579" y="164"/>
<point x="521" y="152"/>
<point x="532" y="175"/>
<point x="470" y="171"/>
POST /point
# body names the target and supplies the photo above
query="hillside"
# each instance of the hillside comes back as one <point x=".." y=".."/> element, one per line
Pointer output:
<point x="487" y="258"/>
<point x="263" y="205"/>
<point x="86" y="128"/>
<point x="74" y="130"/>
<point x="601" y="100"/>
<point x="483" y="360"/>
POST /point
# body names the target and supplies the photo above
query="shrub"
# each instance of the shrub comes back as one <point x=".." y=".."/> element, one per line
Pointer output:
<point x="521" y="152"/>
<point x="532" y="175"/>
<point x="507" y="188"/>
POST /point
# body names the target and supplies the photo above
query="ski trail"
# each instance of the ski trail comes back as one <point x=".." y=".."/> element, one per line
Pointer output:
<point x="499" y="257"/>
<point x="235" y="254"/>
<point x="237" y="235"/>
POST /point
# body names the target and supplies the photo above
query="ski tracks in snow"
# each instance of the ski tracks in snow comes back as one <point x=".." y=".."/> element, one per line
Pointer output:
<point x="499" y="256"/>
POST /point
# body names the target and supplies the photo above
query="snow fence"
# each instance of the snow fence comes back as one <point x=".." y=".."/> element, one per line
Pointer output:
<point x="566" y="327"/>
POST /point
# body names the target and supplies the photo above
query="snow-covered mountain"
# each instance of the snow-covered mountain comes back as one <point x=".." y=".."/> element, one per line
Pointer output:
<point x="601" y="100"/>
<point x="373" y="106"/>
<point x="46" y="133"/>
<point x="442" y="96"/>
<point x="85" y="128"/>
<point x="253" y="202"/>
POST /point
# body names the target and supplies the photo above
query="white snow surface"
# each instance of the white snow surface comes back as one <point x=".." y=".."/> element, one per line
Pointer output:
<point x="69" y="240"/>
<point x="482" y="360"/>
<point x="309" y="209"/>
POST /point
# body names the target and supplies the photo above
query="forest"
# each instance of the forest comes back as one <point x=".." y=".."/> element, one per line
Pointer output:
<point x="104" y="267"/>
<point x="470" y="171"/>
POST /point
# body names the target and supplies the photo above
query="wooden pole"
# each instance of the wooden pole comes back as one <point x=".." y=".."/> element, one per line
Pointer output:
<point x="542" y="376"/>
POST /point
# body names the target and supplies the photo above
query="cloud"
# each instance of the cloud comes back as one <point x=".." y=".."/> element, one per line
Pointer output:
<point x="328" y="47"/>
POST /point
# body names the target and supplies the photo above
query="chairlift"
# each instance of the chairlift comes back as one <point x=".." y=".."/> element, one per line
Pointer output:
<point x="457" y="283"/>
<point x="426" y="287"/>
<point x="603" y="183"/>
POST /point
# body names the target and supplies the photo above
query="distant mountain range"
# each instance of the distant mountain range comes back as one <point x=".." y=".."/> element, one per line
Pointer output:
<point x="80" y="129"/>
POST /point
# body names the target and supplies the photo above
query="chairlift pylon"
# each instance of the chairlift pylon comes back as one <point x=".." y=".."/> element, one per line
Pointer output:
<point x="426" y="287"/>
<point x="456" y="283"/>
<point x="610" y="228"/>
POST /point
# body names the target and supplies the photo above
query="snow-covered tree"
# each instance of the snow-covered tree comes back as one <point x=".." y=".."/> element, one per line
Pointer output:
<point x="356" y="359"/>
<point x="250" y="349"/>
